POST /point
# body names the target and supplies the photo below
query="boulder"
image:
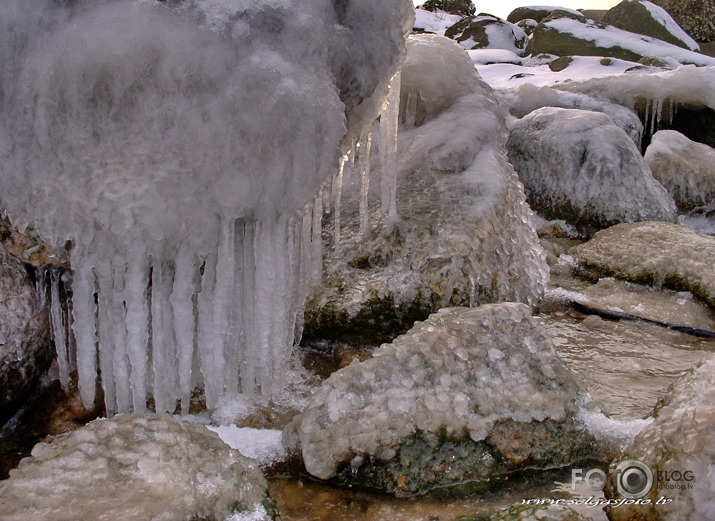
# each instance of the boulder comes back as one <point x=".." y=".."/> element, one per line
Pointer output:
<point x="537" y="13"/>
<point x="655" y="253"/>
<point x="579" y="166"/>
<point x="459" y="7"/>
<point x="701" y="218"/>
<point x="466" y="397"/>
<point x="463" y="234"/>
<point x="679" y="449"/>
<point x="643" y="17"/>
<point x="488" y="32"/>
<point x="685" y="168"/>
<point x="25" y="345"/>
<point x="134" y="467"/>
<point x="568" y="35"/>
<point x="697" y="17"/>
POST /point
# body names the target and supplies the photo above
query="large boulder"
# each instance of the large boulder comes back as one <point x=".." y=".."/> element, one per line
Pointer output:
<point x="567" y="35"/>
<point x="459" y="7"/>
<point x="537" y="13"/>
<point x="643" y="17"/>
<point x="679" y="449"/>
<point x="697" y="17"/>
<point x="579" y="166"/>
<point x="134" y="467"/>
<point x="656" y="253"/>
<point x="25" y="344"/>
<point x="467" y="396"/>
<point x="464" y="233"/>
<point x="685" y="168"/>
<point x="488" y="32"/>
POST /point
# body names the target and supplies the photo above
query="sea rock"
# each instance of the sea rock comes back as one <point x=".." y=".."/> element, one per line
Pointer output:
<point x="643" y="17"/>
<point x="488" y="32"/>
<point x="25" y="344"/>
<point x="463" y="234"/>
<point x="467" y="396"/>
<point x="564" y="34"/>
<point x="134" y="467"/>
<point x="579" y="166"/>
<point x="679" y="449"/>
<point x="537" y="13"/>
<point x="655" y="253"/>
<point x="685" y="168"/>
<point x="697" y="17"/>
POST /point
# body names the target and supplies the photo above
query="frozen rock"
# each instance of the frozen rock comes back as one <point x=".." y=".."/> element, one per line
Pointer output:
<point x="685" y="168"/>
<point x="579" y="166"/>
<point x="656" y="253"/>
<point x="133" y="467"/>
<point x="680" y="450"/>
<point x="701" y="219"/>
<point x="25" y="345"/>
<point x="643" y="17"/>
<point x="465" y="396"/>
<point x="566" y="35"/>
<point x="537" y="513"/>
<point x="464" y="234"/>
<point x="488" y="32"/>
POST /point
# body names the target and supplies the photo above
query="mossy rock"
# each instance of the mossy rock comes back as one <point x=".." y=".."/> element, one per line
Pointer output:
<point x="457" y="466"/>
<point x="533" y="13"/>
<point x="634" y="16"/>
<point x="459" y="7"/>
<point x="560" y="64"/>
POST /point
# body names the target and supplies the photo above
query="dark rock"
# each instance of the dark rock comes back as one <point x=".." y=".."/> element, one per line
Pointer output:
<point x="634" y="16"/>
<point x="696" y="17"/>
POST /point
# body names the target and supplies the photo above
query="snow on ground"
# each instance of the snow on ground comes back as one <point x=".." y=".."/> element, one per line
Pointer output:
<point x="494" y="56"/>
<point x="435" y="22"/>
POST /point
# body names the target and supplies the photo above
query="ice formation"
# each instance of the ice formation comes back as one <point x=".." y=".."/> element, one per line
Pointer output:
<point x="680" y="440"/>
<point x="464" y="235"/>
<point x="685" y="168"/>
<point x="135" y="468"/>
<point x="458" y="372"/>
<point x="657" y="253"/>
<point x="182" y="149"/>
<point x="578" y="165"/>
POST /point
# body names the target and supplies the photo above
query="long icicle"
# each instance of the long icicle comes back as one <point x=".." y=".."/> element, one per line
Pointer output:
<point x="59" y="328"/>
<point x="84" y="327"/>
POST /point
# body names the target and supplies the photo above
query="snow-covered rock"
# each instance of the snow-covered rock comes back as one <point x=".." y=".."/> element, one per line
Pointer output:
<point x="655" y="253"/>
<point x="488" y="32"/>
<point x="697" y="17"/>
<point x="480" y="390"/>
<point x="25" y="345"/>
<point x="464" y="233"/>
<point x="643" y="17"/>
<point x="434" y="22"/>
<point x="537" y="13"/>
<point x="134" y="468"/>
<point x="579" y="166"/>
<point x="680" y="450"/>
<point x="685" y="168"/>
<point x="570" y="35"/>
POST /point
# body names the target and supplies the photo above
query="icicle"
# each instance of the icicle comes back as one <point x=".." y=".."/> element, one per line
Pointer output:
<point x="646" y="117"/>
<point x="138" y="327"/>
<point x="104" y="313"/>
<point x="657" y="115"/>
<point x="158" y="335"/>
<point x="388" y="150"/>
<point x="118" y="328"/>
<point x="208" y="342"/>
<point x="409" y="114"/>
<point x="182" y="305"/>
<point x="84" y="327"/>
<point x="316" y="240"/>
<point x="59" y="329"/>
<point x="246" y="240"/>
<point x="337" y="199"/>
<point x="364" y="167"/>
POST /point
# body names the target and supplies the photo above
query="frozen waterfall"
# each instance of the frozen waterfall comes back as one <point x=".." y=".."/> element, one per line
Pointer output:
<point x="184" y="149"/>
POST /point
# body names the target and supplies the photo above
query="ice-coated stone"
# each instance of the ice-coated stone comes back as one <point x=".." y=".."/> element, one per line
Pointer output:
<point x="463" y="234"/>
<point x="479" y="391"/>
<point x="680" y="450"/>
<point x="579" y="166"/>
<point x="643" y="17"/>
<point x="685" y="168"/>
<point x="656" y="253"/>
<point x="536" y="513"/>
<point x="488" y="32"/>
<point x="25" y="345"/>
<point x="701" y="218"/>
<point x="133" y="467"/>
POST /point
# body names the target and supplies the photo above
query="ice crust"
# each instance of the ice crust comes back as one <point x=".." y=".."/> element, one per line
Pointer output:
<point x="464" y="234"/>
<point x="685" y="168"/>
<point x="183" y="147"/>
<point x="133" y="467"/>
<point x="580" y="166"/>
<point x="458" y="371"/>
